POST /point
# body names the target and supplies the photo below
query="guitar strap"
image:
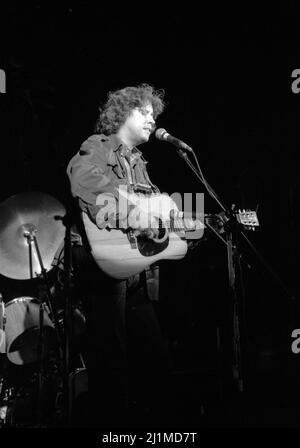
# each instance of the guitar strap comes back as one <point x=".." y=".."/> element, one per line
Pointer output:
<point x="130" y="172"/>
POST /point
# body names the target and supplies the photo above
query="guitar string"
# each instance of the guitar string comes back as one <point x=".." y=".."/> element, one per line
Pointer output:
<point x="174" y="229"/>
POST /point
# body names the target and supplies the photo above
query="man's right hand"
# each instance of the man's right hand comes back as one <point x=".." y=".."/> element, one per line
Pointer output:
<point x="143" y="222"/>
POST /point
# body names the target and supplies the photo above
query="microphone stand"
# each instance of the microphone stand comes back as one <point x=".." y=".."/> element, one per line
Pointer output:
<point x="232" y="258"/>
<point x="234" y="268"/>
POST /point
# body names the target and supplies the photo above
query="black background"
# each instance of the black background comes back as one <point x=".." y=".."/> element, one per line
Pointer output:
<point x="229" y="96"/>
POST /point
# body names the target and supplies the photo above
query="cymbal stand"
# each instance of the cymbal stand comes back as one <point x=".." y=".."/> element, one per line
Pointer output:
<point x="30" y="234"/>
<point x="67" y="396"/>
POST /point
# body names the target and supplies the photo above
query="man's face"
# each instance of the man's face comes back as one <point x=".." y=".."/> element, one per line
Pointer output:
<point x="140" y="124"/>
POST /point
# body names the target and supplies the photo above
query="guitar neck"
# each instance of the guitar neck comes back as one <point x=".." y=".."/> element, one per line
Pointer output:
<point x="248" y="219"/>
<point x="181" y="224"/>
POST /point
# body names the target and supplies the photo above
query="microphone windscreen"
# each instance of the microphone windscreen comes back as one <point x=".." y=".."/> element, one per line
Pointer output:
<point x="159" y="133"/>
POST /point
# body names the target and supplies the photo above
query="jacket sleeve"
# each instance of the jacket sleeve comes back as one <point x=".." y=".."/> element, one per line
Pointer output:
<point x="89" y="182"/>
<point x="86" y="171"/>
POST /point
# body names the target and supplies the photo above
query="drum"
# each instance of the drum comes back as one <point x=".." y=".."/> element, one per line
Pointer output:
<point x="22" y="330"/>
<point x="21" y="409"/>
<point x="5" y="399"/>
<point x="19" y="406"/>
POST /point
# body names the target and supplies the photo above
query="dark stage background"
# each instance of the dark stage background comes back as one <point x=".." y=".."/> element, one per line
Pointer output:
<point x="229" y="96"/>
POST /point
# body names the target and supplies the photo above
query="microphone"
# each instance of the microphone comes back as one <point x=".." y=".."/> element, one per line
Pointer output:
<point x="162" y="134"/>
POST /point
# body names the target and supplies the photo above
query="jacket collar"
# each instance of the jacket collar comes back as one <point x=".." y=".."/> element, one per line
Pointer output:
<point x="118" y="146"/>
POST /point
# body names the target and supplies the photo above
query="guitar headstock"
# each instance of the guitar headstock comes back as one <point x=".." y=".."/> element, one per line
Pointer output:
<point x="247" y="218"/>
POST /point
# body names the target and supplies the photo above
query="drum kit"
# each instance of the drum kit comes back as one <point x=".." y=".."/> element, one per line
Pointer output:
<point x="43" y="375"/>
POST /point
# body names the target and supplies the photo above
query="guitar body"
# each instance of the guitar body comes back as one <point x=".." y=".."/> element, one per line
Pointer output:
<point x="121" y="255"/>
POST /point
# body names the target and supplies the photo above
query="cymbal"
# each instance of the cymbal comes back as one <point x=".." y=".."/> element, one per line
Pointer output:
<point x="24" y="215"/>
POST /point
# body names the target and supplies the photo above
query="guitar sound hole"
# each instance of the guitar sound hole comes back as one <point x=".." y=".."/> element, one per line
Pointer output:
<point x="148" y="247"/>
<point x="161" y="230"/>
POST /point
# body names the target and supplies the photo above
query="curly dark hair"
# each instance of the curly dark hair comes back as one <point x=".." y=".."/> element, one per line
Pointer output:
<point x="121" y="102"/>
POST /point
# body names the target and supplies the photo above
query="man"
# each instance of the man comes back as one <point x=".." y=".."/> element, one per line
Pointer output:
<point x="122" y="321"/>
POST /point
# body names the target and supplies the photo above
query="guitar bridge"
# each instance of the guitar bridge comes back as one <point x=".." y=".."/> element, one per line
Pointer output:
<point x="132" y="239"/>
